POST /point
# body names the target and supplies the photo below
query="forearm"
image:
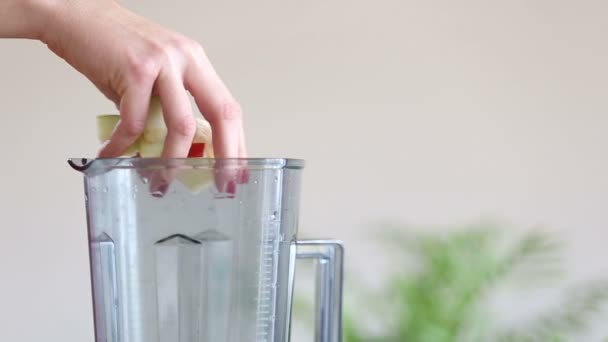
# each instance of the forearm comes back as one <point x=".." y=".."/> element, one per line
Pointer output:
<point x="24" y="18"/>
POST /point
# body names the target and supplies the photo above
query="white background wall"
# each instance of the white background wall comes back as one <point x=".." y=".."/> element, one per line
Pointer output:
<point x="428" y="112"/>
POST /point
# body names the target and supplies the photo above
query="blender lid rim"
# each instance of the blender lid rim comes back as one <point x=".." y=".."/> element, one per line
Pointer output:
<point x="84" y="164"/>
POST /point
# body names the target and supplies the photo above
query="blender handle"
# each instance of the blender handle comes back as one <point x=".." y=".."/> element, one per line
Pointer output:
<point x="329" y="257"/>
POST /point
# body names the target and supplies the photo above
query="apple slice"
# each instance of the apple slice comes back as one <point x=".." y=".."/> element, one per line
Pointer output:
<point x="150" y="150"/>
<point x="155" y="150"/>
<point x="209" y="150"/>
<point x="151" y="143"/>
<point x="197" y="150"/>
<point x="105" y="127"/>
<point x="155" y="130"/>
<point x="203" y="131"/>
<point x="196" y="180"/>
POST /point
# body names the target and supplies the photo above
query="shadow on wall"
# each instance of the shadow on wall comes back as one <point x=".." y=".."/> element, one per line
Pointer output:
<point x="442" y="287"/>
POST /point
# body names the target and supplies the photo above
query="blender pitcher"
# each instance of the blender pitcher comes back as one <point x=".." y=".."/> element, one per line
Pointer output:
<point x="196" y="264"/>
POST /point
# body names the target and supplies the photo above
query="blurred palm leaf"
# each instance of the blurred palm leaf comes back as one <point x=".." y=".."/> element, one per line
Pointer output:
<point x="440" y="301"/>
<point x="441" y="281"/>
<point x="573" y="315"/>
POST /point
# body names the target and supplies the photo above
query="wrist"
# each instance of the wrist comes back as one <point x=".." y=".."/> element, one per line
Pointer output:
<point x="23" y="18"/>
<point x="62" y="18"/>
<point x="39" y="14"/>
<point x="56" y="14"/>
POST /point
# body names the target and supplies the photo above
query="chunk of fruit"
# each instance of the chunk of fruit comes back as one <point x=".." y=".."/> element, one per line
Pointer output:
<point x="209" y="151"/>
<point x="195" y="180"/>
<point x="197" y="150"/>
<point x="203" y="131"/>
<point x="156" y="130"/>
<point x="105" y="127"/>
<point x="151" y="142"/>
<point x="150" y="150"/>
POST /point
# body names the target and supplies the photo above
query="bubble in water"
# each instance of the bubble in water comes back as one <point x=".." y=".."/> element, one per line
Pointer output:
<point x="255" y="181"/>
<point x="145" y="180"/>
<point x="273" y="216"/>
<point x="106" y="189"/>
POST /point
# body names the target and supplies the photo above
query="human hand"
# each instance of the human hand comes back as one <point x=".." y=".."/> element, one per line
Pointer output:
<point x="130" y="59"/>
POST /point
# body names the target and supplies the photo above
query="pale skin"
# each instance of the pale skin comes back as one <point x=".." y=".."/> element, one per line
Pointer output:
<point x="129" y="59"/>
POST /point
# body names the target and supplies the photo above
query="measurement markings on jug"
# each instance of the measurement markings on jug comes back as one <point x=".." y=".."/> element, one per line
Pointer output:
<point x="269" y="244"/>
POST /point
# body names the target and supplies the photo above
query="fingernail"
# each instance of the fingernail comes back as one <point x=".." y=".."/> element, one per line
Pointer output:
<point x="231" y="187"/>
<point x="159" y="184"/>
<point x="160" y="190"/>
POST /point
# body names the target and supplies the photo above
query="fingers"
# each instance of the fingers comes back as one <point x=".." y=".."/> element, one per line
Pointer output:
<point x="222" y="111"/>
<point x="244" y="172"/>
<point x="226" y="124"/>
<point x="218" y="106"/>
<point x="177" y="113"/>
<point x="181" y="126"/>
<point x="242" y="147"/>
<point x="177" y="70"/>
<point x="133" y="114"/>
<point x="230" y="173"/>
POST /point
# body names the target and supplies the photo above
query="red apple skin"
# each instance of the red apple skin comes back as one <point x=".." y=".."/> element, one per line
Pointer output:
<point x="197" y="150"/>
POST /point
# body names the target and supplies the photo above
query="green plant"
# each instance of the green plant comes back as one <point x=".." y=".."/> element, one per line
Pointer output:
<point x="441" y="284"/>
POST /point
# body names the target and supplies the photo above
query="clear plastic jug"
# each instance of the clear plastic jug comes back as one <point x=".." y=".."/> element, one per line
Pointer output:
<point x="198" y="265"/>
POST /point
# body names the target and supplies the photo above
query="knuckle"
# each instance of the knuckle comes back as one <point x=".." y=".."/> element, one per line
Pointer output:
<point x="184" y="127"/>
<point x="231" y="110"/>
<point x="191" y="49"/>
<point x="197" y="51"/>
<point x="143" y="68"/>
<point x="133" y="127"/>
<point x="161" y="53"/>
<point x="181" y="43"/>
